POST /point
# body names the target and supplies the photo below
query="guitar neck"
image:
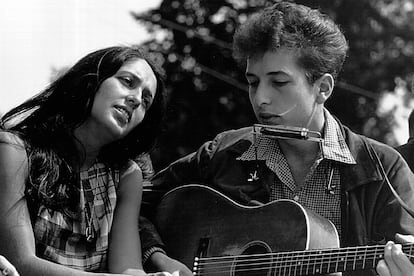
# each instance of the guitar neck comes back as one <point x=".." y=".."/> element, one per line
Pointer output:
<point x="332" y="260"/>
<point x="309" y="262"/>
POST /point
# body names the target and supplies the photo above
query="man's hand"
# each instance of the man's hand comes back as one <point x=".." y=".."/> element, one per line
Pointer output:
<point x="161" y="262"/>
<point x="395" y="262"/>
<point x="6" y="268"/>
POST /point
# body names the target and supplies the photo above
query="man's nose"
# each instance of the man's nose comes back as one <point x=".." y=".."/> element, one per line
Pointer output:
<point x="262" y="95"/>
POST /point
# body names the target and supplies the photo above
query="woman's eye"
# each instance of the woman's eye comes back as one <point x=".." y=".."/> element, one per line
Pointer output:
<point x="127" y="81"/>
<point x="146" y="101"/>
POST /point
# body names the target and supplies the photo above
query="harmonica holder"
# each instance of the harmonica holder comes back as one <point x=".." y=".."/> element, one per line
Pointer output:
<point x="280" y="132"/>
<point x="287" y="132"/>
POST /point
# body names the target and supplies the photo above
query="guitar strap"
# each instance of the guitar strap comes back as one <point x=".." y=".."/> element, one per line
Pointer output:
<point x="380" y="168"/>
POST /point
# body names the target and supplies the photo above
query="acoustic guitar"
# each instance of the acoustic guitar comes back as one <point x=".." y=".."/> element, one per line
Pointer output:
<point x="214" y="235"/>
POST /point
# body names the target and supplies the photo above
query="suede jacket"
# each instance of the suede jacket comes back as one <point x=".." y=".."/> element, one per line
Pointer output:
<point x="371" y="214"/>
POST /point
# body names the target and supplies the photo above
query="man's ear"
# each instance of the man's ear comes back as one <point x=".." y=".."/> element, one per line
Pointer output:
<point x="325" y="85"/>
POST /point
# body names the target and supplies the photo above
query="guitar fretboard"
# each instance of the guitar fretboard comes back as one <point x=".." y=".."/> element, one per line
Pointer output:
<point x="295" y="263"/>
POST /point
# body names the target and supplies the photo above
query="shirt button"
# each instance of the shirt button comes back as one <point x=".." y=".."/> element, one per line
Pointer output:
<point x="296" y="198"/>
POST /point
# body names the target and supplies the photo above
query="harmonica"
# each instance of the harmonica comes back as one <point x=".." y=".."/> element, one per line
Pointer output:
<point x="287" y="132"/>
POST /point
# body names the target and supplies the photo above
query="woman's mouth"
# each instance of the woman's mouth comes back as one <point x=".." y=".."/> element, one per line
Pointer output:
<point x="125" y="114"/>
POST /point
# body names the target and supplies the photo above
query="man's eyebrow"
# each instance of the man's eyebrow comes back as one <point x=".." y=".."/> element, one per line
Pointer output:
<point x="271" y="73"/>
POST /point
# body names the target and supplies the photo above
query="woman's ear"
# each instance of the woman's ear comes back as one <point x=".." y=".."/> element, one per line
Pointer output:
<point x="325" y="85"/>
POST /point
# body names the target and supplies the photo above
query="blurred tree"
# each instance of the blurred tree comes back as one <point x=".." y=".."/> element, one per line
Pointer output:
<point x="207" y="92"/>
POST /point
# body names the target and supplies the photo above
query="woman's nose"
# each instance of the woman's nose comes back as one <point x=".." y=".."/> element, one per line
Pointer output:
<point x="134" y="99"/>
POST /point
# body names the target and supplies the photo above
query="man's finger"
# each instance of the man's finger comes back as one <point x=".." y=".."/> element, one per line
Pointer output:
<point x="382" y="269"/>
<point x="404" y="238"/>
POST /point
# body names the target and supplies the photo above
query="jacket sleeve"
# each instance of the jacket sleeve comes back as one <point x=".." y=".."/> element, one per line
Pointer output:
<point x="391" y="216"/>
<point x="190" y="169"/>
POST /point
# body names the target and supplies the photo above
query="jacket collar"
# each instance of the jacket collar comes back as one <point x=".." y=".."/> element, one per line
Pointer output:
<point x="353" y="175"/>
<point x="365" y="170"/>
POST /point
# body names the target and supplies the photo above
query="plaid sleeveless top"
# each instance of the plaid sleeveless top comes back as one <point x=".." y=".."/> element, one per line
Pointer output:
<point x="80" y="240"/>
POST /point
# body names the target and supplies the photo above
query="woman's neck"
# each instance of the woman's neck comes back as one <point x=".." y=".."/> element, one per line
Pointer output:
<point x="87" y="148"/>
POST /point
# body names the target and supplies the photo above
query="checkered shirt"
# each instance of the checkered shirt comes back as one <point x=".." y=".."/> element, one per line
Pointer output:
<point x="314" y="193"/>
<point x="61" y="238"/>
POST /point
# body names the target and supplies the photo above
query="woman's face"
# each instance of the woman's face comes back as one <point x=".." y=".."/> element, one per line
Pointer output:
<point x="122" y="101"/>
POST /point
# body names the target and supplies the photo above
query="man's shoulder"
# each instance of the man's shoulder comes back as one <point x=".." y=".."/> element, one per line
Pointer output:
<point x="359" y="139"/>
<point x="235" y="139"/>
<point x="240" y="133"/>
<point x="362" y="146"/>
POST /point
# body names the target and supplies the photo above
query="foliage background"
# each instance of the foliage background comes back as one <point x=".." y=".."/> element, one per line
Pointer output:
<point x="207" y="92"/>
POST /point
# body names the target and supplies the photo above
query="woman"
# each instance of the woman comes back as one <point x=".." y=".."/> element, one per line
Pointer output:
<point x="69" y="192"/>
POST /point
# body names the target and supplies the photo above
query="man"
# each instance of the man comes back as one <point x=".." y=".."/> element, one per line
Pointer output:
<point x="292" y="55"/>
<point x="407" y="149"/>
<point x="6" y="268"/>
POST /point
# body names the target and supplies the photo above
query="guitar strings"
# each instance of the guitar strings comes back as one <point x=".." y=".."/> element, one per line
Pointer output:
<point x="316" y="252"/>
<point x="317" y="267"/>
<point x="287" y="260"/>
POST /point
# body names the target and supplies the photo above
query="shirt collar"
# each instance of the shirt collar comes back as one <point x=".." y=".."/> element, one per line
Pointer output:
<point x="334" y="146"/>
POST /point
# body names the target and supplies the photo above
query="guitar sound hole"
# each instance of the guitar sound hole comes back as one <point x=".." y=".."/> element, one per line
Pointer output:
<point x="249" y="264"/>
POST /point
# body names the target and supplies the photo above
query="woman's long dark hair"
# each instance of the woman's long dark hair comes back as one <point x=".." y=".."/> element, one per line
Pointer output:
<point x="47" y="122"/>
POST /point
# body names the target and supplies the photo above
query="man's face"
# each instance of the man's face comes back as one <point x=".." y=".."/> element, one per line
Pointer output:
<point x="278" y="89"/>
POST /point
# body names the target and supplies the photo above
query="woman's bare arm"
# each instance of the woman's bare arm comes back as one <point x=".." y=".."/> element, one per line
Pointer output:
<point x="125" y="245"/>
<point x="17" y="242"/>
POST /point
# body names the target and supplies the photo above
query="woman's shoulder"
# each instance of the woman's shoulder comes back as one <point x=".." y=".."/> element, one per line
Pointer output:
<point x="11" y="146"/>
<point x="7" y="137"/>
<point x="13" y="156"/>
<point x="130" y="167"/>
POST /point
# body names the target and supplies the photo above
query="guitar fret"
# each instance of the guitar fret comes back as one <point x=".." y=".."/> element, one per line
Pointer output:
<point x="329" y="264"/>
<point x="287" y="265"/>
<point x="365" y="257"/>
<point x="335" y="260"/>
<point x="328" y="260"/>
<point x="354" y="261"/>
<point x="336" y="266"/>
<point x="291" y="261"/>
<point x="345" y="260"/>
<point x="320" y="270"/>
<point x="408" y="248"/>
<point x="307" y="264"/>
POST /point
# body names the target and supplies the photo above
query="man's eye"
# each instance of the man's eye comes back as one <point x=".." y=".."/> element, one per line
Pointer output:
<point x="279" y="83"/>
<point x="253" y="83"/>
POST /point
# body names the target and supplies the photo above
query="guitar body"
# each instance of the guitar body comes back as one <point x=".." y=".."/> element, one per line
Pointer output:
<point x="197" y="221"/>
